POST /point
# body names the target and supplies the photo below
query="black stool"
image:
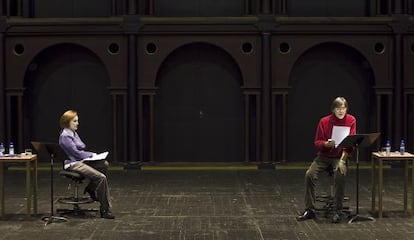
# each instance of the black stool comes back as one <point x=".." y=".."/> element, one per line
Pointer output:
<point x="75" y="200"/>
<point x="328" y="200"/>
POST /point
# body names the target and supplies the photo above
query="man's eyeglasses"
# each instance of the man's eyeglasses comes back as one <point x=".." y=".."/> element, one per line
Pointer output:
<point x="340" y="109"/>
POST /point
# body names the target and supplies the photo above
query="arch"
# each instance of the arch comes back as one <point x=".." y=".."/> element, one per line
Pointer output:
<point x="199" y="112"/>
<point x="320" y="74"/>
<point x="181" y="47"/>
<point x="350" y="47"/>
<point x="68" y="76"/>
<point x="59" y="45"/>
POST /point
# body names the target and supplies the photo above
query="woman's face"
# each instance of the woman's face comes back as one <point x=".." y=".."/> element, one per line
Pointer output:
<point x="340" y="112"/>
<point x="74" y="123"/>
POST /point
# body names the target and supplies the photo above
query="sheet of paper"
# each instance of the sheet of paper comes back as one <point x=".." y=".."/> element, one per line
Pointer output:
<point x="339" y="133"/>
<point x="96" y="157"/>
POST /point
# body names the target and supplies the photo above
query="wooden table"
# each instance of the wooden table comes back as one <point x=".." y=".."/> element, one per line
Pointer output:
<point x="377" y="159"/>
<point x="31" y="180"/>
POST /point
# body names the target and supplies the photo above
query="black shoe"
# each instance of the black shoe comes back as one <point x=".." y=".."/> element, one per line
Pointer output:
<point x="106" y="213"/>
<point x="336" y="218"/>
<point x="307" y="214"/>
<point x="91" y="193"/>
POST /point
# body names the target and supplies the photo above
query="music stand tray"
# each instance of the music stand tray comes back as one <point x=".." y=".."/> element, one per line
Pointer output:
<point x="356" y="141"/>
<point x="359" y="140"/>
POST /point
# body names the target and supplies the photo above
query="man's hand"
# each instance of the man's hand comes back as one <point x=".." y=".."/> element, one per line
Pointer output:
<point x="330" y="143"/>
<point x="342" y="167"/>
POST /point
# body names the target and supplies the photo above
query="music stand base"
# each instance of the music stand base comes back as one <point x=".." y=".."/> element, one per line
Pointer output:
<point x="357" y="218"/>
<point x="52" y="219"/>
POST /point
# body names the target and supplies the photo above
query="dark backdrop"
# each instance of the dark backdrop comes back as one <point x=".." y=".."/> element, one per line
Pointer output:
<point x="330" y="8"/>
<point x="197" y="8"/>
<point x="67" y="8"/>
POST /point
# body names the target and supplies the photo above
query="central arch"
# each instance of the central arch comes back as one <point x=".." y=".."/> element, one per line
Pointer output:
<point x="199" y="112"/>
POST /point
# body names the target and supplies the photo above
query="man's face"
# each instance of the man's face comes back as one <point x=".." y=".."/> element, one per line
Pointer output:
<point x="340" y="111"/>
<point x="74" y="123"/>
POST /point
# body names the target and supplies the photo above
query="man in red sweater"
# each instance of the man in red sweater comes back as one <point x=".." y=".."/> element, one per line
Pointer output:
<point x="328" y="154"/>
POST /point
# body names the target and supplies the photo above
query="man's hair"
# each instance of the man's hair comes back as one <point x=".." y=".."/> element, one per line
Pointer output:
<point x="338" y="102"/>
<point x="66" y="118"/>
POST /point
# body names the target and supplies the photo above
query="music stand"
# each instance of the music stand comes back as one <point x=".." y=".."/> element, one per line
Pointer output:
<point x="54" y="150"/>
<point x="356" y="141"/>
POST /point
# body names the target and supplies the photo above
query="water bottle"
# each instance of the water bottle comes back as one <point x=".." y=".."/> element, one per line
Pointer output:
<point x="387" y="148"/>
<point x="402" y="147"/>
<point x="1" y="149"/>
<point x="11" y="149"/>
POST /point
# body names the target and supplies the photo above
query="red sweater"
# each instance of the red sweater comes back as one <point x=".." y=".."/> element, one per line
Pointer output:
<point x="324" y="132"/>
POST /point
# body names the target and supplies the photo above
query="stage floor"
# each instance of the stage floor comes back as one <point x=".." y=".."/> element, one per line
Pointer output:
<point x="206" y="204"/>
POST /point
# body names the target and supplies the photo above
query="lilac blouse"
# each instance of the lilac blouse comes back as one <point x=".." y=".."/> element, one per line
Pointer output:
<point x="73" y="146"/>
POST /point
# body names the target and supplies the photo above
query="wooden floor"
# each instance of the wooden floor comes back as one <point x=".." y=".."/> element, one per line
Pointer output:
<point x="206" y="204"/>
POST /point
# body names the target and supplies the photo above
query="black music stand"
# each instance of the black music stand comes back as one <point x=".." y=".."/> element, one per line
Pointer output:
<point x="53" y="150"/>
<point x="356" y="141"/>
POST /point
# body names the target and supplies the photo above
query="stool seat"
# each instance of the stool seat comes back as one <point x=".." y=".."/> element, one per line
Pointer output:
<point x="72" y="175"/>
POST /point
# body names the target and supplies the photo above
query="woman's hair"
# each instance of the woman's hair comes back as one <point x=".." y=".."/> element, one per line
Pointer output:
<point x="338" y="102"/>
<point x="66" y="118"/>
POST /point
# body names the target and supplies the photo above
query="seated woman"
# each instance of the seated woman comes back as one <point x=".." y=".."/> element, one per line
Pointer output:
<point x="95" y="171"/>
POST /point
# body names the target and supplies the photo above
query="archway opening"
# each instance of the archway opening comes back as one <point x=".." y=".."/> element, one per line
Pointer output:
<point x="322" y="73"/>
<point x="199" y="108"/>
<point x="62" y="77"/>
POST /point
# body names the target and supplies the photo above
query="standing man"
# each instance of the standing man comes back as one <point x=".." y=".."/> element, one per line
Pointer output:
<point x="329" y="154"/>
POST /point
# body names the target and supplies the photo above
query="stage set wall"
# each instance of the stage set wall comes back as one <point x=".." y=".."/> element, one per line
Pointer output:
<point x="204" y="81"/>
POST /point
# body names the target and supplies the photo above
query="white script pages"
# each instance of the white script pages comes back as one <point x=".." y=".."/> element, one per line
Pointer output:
<point x="100" y="156"/>
<point x="339" y="133"/>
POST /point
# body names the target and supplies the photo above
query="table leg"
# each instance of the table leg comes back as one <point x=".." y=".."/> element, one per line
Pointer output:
<point x="380" y="186"/>
<point x="373" y="183"/>
<point x="405" y="184"/>
<point x="1" y="189"/>
<point x="28" y="186"/>
<point x="35" y="187"/>
<point x="412" y="188"/>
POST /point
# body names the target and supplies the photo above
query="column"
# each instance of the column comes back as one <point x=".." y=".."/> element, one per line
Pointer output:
<point x="2" y="97"/>
<point x="266" y="97"/>
<point x="132" y="99"/>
